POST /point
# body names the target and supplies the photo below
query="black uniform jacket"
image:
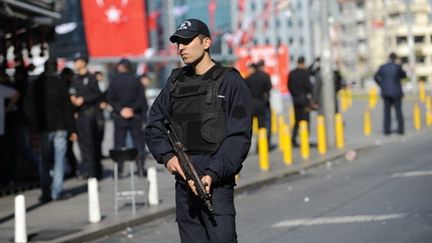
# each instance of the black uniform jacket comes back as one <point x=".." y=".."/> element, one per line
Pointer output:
<point x="300" y="87"/>
<point x="86" y="86"/>
<point x="126" y="91"/>
<point x="223" y="164"/>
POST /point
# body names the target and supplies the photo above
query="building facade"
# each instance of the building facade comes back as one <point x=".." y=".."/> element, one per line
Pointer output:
<point x="372" y="29"/>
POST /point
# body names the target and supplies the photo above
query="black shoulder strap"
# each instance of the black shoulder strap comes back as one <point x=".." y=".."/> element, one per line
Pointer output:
<point x="177" y="75"/>
<point x="214" y="84"/>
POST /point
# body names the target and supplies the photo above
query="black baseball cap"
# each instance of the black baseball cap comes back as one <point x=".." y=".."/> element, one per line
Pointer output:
<point x="81" y="56"/>
<point x="190" y="28"/>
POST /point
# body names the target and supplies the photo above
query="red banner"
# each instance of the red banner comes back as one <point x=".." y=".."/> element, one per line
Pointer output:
<point x="276" y="63"/>
<point x="115" y="27"/>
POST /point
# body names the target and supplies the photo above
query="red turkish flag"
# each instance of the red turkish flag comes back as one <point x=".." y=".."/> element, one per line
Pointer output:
<point x="115" y="27"/>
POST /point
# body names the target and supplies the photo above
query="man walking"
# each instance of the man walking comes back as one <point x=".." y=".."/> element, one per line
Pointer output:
<point x="389" y="78"/>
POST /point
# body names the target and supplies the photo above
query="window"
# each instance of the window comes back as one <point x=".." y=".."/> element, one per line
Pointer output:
<point x="419" y="39"/>
<point x="420" y="59"/>
<point x="404" y="60"/>
<point x="401" y="40"/>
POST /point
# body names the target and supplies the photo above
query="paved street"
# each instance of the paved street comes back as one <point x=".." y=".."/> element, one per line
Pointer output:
<point x="383" y="196"/>
<point x="69" y="222"/>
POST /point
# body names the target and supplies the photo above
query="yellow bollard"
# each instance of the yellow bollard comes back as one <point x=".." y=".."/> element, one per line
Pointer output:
<point x="304" y="139"/>
<point x="321" y="134"/>
<point x="281" y="123"/>
<point x="343" y="100"/>
<point x="349" y="92"/>
<point x="417" y="116"/>
<point x="428" y="102"/>
<point x="367" y="124"/>
<point x="422" y="91"/>
<point x="291" y="117"/>
<point x="273" y="123"/>
<point x="287" y="145"/>
<point x="427" y="117"/>
<point x="373" y="97"/>
<point x="339" y="131"/>
<point x="263" y="152"/>
<point x="255" y="125"/>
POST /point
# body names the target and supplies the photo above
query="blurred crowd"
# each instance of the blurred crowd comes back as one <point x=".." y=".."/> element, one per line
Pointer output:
<point x="42" y="117"/>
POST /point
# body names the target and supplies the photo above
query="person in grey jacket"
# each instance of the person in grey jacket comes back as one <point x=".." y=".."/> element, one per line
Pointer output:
<point x="389" y="78"/>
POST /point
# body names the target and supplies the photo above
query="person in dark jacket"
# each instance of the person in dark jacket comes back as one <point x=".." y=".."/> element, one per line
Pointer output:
<point x="53" y="119"/>
<point x="85" y="96"/>
<point x="300" y="87"/>
<point x="209" y="105"/>
<point x="389" y="78"/>
<point x="127" y="98"/>
<point x="260" y="86"/>
<point x="67" y="75"/>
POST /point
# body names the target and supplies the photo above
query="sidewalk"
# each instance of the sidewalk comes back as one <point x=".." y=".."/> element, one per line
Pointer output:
<point x="67" y="220"/>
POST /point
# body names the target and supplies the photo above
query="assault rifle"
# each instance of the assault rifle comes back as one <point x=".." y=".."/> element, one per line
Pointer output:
<point x="187" y="166"/>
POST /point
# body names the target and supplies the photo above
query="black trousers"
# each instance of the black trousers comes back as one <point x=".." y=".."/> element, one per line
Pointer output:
<point x="196" y="225"/>
<point x="301" y="114"/>
<point x="396" y="102"/>
<point x="87" y="139"/>
<point x="138" y="140"/>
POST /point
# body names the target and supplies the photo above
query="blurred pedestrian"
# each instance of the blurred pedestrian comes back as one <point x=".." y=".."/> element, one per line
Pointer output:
<point x="100" y="111"/>
<point x="127" y="98"/>
<point x="53" y="117"/>
<point x="17" y="124"/>
<point x="85" y="96"/>
<point x="389" y="78"/>
<point x="260" y="85"/>
<point x="67" y="75"/>
<point x="314" y="71"/>
<point x="260" y="66"/>
<point x="300" y="87"/>
<point x="12" y="95"/>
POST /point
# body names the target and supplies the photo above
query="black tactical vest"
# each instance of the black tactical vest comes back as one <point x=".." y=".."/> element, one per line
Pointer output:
<point x="197" y="111"/>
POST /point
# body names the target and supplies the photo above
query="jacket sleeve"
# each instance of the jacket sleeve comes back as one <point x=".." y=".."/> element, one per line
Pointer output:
<point x="140" y="102"/>
<point x="112" y="97"/>
<point x="67" y="107"/>
<point x="228" y="159"/>
<point x="377" y="76"/>
<point x="156" y="138"/>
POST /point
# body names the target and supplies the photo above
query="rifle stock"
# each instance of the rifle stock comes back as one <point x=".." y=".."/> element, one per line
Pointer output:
<point x="187" y="166"/>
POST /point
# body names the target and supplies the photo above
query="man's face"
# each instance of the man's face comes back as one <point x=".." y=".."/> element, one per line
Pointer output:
<point x="79" y="64"/>
<point x="191" y="50"/>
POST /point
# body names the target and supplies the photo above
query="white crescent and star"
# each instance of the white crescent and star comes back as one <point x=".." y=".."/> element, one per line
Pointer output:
<point x="113" y="13"/>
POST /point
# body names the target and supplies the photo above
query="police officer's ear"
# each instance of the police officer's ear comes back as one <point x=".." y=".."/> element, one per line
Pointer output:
<point x="206" y="41"/>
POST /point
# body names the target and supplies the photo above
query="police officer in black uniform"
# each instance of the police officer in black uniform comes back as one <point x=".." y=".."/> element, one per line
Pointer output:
<point x="127" y="98"/>
<point x="209" y="105"/>
<point x="85" y="96"/>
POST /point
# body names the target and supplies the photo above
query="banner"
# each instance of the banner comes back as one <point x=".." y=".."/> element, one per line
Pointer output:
<point x="276" y="62"/>
<point x="115" y="27"/>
